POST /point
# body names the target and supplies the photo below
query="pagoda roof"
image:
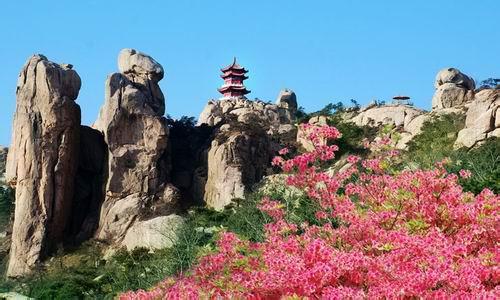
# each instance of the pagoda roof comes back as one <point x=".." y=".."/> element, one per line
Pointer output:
<point x="232" y="74"/>
<point x="234" y="88"/>
<point x="234" y="66"/>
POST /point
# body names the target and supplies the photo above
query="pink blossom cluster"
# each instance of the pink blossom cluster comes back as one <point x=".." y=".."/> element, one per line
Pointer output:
<point x="397" y="234"/>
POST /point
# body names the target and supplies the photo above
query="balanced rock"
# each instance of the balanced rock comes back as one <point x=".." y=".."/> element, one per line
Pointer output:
<point x="136" y="135"/>
<point x="42" y="161"/>
<point x="287" y="101"/>
<point x="453" y="88"/>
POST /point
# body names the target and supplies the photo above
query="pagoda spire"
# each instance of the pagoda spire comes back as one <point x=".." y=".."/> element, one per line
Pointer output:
<point x="233" y="76"/>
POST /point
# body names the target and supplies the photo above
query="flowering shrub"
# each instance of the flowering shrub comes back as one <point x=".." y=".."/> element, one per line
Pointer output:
<point x="383" y="233"/>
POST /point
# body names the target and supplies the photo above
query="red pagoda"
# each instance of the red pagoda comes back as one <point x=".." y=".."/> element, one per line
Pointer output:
<point x="233" y="76"/>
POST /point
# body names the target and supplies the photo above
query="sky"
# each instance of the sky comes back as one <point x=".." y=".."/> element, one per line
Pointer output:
<point x="326" y="51"/>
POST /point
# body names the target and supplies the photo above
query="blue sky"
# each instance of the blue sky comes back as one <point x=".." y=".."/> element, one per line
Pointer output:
<point x="326" y="51"/>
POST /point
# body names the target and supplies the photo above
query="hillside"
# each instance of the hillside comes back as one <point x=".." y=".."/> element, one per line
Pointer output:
<point x="139" y="199"/>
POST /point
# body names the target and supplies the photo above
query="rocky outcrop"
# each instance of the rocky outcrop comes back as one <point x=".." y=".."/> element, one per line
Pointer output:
<point x="271" y="117"/>
<point x="242" y="146"/>
<point x="235" y="163"/>
<point x="136" y="135"/>
<point x="482" y="119"/>
<point x="397" y="115"/>
<point x="41" y="160"/>
<point x="287" y="102"/>
<point x="453" y="89"/>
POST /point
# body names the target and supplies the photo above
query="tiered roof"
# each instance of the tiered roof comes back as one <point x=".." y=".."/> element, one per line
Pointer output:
<point x="235" y="74"/>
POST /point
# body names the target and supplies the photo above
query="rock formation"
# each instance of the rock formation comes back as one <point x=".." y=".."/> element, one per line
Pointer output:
<point x="287" y="101"/>
<point x="136" y="135"/>
<point x="453" y="88"/>
<point x="123" y="180"/>
<point x="242" y="148"/>
<point x="482" y="119"/>
<point x="272" y="117"/>
<point x="40" y="162"/>
<point x="235" y="163"/>
<point x="397" y="115"/>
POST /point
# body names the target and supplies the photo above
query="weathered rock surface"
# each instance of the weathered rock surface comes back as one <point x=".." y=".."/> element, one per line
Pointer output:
<point x="481" y="119"/>
<point x="42" y="161"/>
<point x="268" y="116"/>
<point x="242" y="147"/>
<point x="397" y="115"/>
<point x="287" y="101"/>
<point x="453" y="89"/>
<point x="156" y="233"/>
<point x="234" y="165"/>
<point x="136" y="135"/>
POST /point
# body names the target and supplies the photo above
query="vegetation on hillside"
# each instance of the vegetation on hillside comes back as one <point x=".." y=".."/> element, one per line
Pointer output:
<point x="435" y="143"/>
<point x="83" y="273"/>
<point x="378" y="232"/>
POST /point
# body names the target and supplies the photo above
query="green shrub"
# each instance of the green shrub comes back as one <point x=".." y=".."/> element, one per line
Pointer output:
<point x="483" y="162"/>
<point x="436" y="140"/>
<point x="435" y="143"/>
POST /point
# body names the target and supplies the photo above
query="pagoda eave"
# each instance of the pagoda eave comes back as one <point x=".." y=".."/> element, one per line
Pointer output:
<point x="231" y="88"/>
<point x="242" y="76"/>
<point x="235" y="67"/>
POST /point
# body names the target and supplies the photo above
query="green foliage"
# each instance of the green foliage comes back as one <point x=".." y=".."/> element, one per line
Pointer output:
<point x="352" y="135"/>
<point x="483" y="162"/>
<point x="435" y="143"/>
<point x="490" y="83"/>
<point x="328" y="110"/>
<point x="436" y="140"/>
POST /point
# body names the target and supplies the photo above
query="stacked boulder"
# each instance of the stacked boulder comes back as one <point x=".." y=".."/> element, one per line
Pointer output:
<point x="453" y="89"/>
<point x="136" y="135"/>
<point x="41" y="161"/>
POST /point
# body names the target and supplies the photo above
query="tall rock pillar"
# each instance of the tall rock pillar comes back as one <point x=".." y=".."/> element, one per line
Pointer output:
<point x="42" y="160"/>
<point x="136" y="135"/>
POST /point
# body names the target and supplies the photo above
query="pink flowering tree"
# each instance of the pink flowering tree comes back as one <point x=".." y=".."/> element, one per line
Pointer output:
<point x="382" y="233"/>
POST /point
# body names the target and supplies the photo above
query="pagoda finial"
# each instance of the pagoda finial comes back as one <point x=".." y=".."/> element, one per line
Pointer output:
<point x="234" y="60"/>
